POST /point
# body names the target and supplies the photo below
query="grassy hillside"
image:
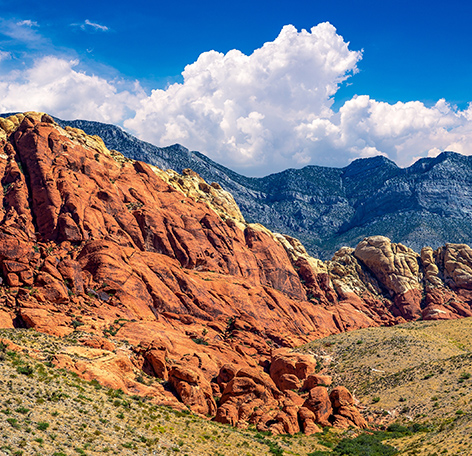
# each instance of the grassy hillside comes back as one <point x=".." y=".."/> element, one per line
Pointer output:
<point x="51" y="412"/>
<point x="414" y="381"/>
<point x="415" y="374"/>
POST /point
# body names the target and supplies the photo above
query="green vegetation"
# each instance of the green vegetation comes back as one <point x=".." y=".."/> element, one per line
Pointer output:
<point x="414" y="376"/>
<point x="49" y="411"/>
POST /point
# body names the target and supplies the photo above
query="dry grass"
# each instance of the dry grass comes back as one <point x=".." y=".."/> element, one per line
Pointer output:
<point x="48" y="411"/>
<point x="419" y="372"/>
<point x="415" y="373"/>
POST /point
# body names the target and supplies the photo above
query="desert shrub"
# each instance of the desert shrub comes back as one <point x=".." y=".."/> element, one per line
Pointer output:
<point x="22" y="410"/>
<point x="42" y="425"/>
<point x="25" y="370"/>
<point x="364" y="445"/>
<point x="76" y="324"/>
<point x="200" y="341"/>
<point x="13" y="422"/>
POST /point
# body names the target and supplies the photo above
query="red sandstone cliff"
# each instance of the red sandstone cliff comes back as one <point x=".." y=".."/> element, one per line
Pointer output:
<point x="93" y="241"/>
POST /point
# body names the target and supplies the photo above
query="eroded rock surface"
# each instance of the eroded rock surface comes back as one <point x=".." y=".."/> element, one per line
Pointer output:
<point x="92" y="241"/>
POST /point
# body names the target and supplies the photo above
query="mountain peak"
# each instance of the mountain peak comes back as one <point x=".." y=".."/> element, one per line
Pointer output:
<point x="367" y="165"/>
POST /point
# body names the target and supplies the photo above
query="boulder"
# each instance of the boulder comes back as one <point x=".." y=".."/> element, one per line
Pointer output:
<point x="316" y="380"/>
<point x="289" y="370"/>
<point x="319" y="404"/>
<point x="308" y="421"/>
<point x="344" y="409"/>
<point x="193" y="389"/>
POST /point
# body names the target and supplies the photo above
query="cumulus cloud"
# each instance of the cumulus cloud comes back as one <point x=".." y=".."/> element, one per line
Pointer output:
<point x="272" y="109"/>
<point x="257" y="113"/>
<point x="404" y="132"/>
<point x="244" y="109"/>
<point x="55" y="86"/>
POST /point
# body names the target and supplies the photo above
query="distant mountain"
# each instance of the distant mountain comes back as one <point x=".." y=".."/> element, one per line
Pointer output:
<point x="428" y="203"/>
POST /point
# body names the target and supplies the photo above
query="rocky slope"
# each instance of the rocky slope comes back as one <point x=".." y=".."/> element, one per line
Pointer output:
<point x="208" y="303"/>
<point x="417" y="375"/>
<point x="427" y="204"/>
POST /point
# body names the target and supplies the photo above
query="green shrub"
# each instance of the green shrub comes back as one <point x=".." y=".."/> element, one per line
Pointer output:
<point x="22" y="410"/>
<point x="42" y="425"/>
<point x="13" y="422"/>
<point x="363" y="445"/>
<point x="200" y="341"/>
<point x="25" y="370"/>
<point x="398" y="428"/>
<point x="76" y="324"/>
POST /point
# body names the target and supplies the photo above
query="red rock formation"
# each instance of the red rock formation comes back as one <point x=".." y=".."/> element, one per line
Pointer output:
<point x="318" y="402"/>
<point x="92" y="241"/>
<point x="193" y="389"/>
<point x="289" y="370"/>
<point x="344" y="410"/>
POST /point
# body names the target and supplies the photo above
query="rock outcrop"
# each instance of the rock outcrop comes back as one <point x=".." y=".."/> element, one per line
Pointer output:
<point x="94" y="243"/>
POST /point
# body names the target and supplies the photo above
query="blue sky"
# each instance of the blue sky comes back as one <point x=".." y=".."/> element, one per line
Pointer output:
<point x="399" y="83"/>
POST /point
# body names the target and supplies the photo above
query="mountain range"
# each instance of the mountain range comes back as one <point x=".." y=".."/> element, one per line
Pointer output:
<point x="426" y="204"/>
<point x="156" y="275"/>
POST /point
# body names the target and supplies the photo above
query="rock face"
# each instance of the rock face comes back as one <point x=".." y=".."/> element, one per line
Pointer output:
<point x="92" y="241"/>
<point x="327" y="208"/>
<point x="397" y="269"/>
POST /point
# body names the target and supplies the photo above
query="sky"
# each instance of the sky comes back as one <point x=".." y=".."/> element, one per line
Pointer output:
<point x="259" y="86"/>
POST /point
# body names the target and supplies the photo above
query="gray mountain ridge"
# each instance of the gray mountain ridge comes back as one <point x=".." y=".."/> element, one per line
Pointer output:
<point x="426" y="204"/>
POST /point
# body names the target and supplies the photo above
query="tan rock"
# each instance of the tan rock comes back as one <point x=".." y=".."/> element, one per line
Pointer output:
<point x="397" y="268"/>
<point x="456" y="260"/>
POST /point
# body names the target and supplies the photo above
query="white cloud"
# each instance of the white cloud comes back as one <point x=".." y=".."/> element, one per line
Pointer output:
<point x="273" y="109"/>
<point x="27" y="23"/>
<point x="401" y="131"/>
<point x="24" y="31"/>
<point x="53" y="85"/>
<point x="4" y="55"/>
<point x="244" y="110"/>
<point x="87" y="25"/>
<point x="257" y="113"/>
